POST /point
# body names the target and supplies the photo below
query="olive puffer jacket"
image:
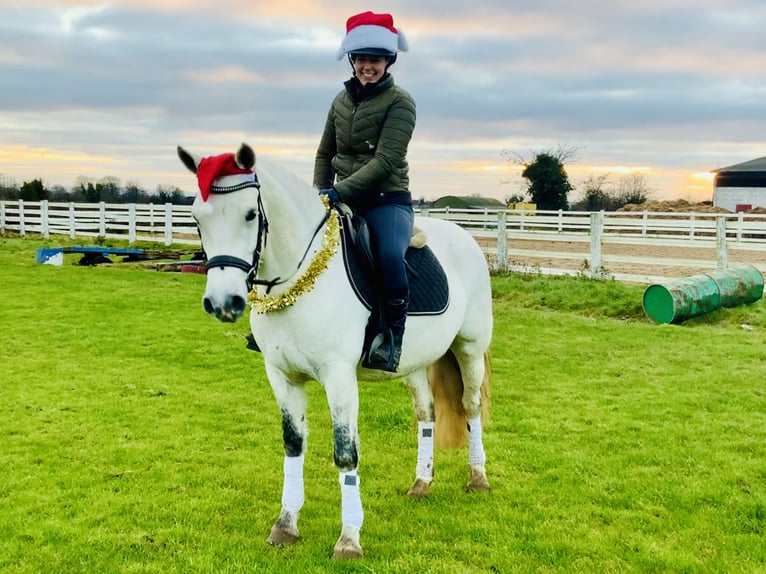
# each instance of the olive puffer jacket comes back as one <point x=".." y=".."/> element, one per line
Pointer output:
<point x="363" y="150"/>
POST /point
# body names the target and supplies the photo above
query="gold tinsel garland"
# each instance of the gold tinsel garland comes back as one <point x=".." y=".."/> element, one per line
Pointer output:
<point x="305" y="283"/>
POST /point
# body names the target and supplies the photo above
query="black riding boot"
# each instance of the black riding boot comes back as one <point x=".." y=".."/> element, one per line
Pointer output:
<point x="386" y="348"/>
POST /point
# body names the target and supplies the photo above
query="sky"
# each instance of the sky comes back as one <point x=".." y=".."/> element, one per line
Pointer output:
<point x="670" y="89"/>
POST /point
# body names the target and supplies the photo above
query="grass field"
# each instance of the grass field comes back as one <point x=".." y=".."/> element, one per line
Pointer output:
<point x="138" y="435"/>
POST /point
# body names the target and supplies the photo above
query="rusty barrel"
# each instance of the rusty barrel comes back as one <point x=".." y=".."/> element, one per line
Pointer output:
<point x="677" y="300"/>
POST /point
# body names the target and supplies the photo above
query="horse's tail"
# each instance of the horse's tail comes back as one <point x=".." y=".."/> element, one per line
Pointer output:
<point x="447" y="387"/>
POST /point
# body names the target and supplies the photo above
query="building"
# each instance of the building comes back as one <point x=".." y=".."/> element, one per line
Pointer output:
<point x="742" y="186"/>
<point x="468" y="202"/>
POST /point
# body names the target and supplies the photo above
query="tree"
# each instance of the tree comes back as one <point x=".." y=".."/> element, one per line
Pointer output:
<point x="59" y="193"/>
<point x="600" y="192"/>
<point x="33" y="191"/>
<point x="134" y="193"/>
<point x="90" y="193"/>
<point x="595" y="195"/>
<point x="9" y="189"/>
<point x="170" y="194"/>
<point x="632" y="188"/>
<point x="548" y="182"/>
<point x="109" y="189"/>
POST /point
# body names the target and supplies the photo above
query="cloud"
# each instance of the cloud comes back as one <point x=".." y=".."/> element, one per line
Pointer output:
<point x="673" y="84"/>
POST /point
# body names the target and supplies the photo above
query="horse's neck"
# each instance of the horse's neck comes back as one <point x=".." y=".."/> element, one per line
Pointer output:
<point x="293" y="211"/>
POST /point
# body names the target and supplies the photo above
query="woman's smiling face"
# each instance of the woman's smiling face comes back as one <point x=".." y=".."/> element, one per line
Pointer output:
<point x="369" y="69"/>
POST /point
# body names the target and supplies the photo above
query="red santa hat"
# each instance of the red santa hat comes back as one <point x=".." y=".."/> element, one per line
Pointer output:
<point x="211" y="168"/>
<point x="371" y="33"/>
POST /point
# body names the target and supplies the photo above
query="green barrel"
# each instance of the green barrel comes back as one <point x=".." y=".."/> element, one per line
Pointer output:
<point x="678" y="300"/>
<point x="739" y="285"/>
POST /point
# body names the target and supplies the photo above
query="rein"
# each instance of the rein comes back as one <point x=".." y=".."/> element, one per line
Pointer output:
<point x="305" y="283"/>
<point x="279" y="281"/>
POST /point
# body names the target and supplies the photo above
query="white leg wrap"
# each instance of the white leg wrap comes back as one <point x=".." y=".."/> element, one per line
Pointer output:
<point x="350" y="500"/>
<point x="292" y="487"/>
<point x="425" y="467"/>
<point x="476" y="456"/>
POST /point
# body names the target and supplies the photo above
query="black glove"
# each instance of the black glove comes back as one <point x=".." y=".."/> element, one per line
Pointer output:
<point x="332" y="195"/>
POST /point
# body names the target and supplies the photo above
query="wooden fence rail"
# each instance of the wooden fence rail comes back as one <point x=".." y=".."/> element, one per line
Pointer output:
<point x="596" y="244"/>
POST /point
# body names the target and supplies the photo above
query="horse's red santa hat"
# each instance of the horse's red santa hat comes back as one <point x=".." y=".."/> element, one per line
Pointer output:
<point x="213" y="167"/>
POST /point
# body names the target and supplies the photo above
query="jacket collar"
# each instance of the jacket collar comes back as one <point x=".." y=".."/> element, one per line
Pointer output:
<point x="360" y="93"/>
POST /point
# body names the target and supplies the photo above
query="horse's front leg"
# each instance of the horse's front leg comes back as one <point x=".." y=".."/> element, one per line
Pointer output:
<point x="292" y="402"/>
<point x="423" y="405"/>
<point x="343" y="399"/>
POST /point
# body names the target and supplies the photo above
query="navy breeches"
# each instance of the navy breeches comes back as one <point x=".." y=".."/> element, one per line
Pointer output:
<point x="390" y="228"/>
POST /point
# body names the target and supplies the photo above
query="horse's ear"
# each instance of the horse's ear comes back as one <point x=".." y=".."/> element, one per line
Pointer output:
<point x="187" y="159"/>
<point x="245" y="157"/>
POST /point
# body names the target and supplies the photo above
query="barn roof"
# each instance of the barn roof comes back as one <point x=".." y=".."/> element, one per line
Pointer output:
<point x="758" y="164"/>
<point x="468" y="202"/>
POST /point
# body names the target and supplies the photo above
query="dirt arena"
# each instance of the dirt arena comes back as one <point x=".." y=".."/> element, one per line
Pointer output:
<point x="668" y="262"/>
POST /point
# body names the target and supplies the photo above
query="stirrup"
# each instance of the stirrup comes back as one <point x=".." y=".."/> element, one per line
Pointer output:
<point x="373" y="359"/>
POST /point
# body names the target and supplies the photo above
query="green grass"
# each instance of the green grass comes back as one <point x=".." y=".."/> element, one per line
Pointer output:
<point x="138" y="435"/>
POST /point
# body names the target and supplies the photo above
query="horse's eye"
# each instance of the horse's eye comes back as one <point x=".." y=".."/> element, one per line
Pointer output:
<point x="250" y="215"/>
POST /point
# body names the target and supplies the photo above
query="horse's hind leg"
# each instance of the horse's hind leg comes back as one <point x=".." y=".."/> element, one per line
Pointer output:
<point x="474" y="370"/>
<point x="423" y="405"/>
<point x="292" y="402"/>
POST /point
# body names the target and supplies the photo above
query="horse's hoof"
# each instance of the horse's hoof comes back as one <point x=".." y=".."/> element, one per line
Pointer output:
<point x="478" y="480"/>
<point x="281" y="536"/>
<point x="346" y="549"/>
<point x="419" y="488"/>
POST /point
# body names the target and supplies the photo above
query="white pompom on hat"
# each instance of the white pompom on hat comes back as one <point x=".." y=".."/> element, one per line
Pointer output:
<point x="372" y="33"/>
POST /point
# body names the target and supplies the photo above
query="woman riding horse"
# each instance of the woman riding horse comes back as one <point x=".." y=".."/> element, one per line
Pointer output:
<point x="362" y="161"/>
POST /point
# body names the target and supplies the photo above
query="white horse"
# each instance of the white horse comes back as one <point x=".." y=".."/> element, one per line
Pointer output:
<point x="274" y="231"/>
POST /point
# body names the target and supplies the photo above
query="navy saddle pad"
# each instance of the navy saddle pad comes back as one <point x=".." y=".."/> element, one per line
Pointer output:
<point x="429" y="292"/>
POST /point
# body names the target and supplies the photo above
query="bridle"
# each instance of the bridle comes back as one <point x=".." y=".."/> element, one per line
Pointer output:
<point x="251" y="268"/>
<point x="222" y="261"/>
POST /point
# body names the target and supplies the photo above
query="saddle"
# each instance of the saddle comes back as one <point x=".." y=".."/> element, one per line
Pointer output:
<point x="429" y="292"/>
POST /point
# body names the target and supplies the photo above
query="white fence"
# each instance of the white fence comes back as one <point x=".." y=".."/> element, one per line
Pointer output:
<point x="740" y="227"/>
<point x="635" y="246"/>
<point x="134" y="222"/>
<point x="575" y="241"/>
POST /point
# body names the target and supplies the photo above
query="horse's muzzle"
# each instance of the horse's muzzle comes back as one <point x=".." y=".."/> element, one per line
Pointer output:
<point x="231" y="309"/>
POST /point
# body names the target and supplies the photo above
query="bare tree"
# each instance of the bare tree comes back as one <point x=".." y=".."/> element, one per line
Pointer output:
<point x="633" y="188"/>
<point x="596" y="194"/>
<point x="9" y="189"/>
<point x="564" y="154"/>
<point x="602" y="192"/>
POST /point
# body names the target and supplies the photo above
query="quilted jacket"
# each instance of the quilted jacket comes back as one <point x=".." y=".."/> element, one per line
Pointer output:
<point x="363" y="149"/>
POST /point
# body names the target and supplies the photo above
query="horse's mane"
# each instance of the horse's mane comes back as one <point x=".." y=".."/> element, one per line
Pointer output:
<point x="271" y="169"/>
